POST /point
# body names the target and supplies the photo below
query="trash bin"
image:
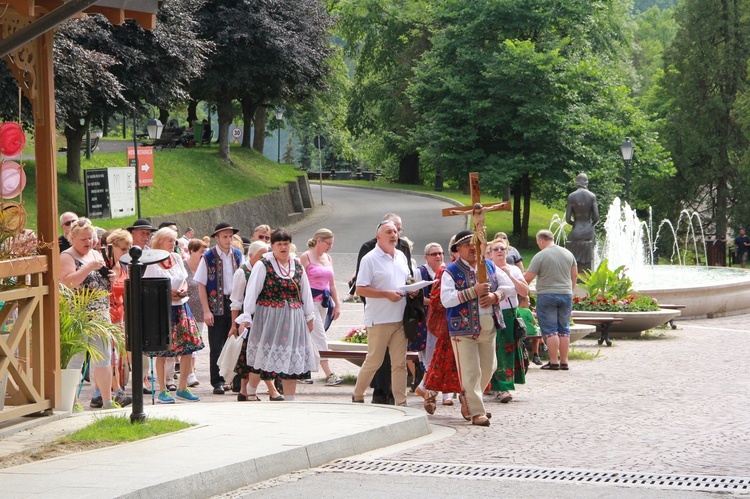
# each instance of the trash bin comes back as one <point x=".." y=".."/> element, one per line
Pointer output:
<point x="156" y="313"/>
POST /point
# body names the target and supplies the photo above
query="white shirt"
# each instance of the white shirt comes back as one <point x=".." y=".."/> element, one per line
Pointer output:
<point x="508" y="288"/>
<point x="449" y="295"/>
<point x="239" y="284"/>
<point x="227" y="268"/>
<point x="176" y="273"/>
<point x="255" y="286"/>
<point x="381" y="271"/>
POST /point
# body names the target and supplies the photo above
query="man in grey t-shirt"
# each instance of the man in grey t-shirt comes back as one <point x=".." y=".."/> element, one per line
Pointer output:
<point x="556" y="273"/>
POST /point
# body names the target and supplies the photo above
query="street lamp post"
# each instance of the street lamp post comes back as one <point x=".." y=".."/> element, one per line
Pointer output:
<point x="627" y="151"/>
<point x="154" y="129"/>
<point x="279" y="117"/>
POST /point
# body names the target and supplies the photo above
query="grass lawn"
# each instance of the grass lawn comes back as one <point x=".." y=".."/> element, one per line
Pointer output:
<point x="184" y="180"/>
<point x="103" y="432"/>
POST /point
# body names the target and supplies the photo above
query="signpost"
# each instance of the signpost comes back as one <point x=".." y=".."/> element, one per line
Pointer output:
<point x="145" y="160"/>
<point x="320" y="142"/>
<point x="237" y="134"/>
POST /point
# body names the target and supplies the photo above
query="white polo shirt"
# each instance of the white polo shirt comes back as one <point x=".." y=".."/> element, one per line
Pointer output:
<point x="381" y="271"/>
<point x="227" y="268"/>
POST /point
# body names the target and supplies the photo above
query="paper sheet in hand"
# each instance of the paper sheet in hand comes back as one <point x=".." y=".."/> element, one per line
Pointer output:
<point x="416" y="286"/>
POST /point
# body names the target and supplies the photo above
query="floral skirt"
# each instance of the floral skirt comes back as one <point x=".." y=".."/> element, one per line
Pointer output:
<point x="186" y="338"/>
<point x="509" y="357"/>
<point x="279" y="344"/>
<point x="442" y="374"/>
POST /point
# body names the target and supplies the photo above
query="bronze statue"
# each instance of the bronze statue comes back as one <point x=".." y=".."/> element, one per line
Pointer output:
<point x="582" y="213"/>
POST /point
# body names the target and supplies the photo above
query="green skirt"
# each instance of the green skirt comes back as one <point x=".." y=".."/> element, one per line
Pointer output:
<point x="510" y="369"/>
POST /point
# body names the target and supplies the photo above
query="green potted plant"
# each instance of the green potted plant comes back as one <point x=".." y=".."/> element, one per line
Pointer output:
<point x="610" y="293"/>
<point x="79" y="322"/>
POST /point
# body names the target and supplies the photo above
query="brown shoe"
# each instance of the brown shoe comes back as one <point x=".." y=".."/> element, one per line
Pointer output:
<point x="429" y="402"/>
<point x="480" y="421"/>
<point x="464" y="406"/>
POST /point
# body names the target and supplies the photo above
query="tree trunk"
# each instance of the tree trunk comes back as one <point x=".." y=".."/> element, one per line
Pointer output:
<point x="224" y="117"/>
<point x="248" y="112"/>
<point x="524" y="243"/>
<point x="517" y="197"/>
<point x="408" y="169"/>
<point x="74" y="137"/>
<point x="163" y="116"/>
<point x="722" y="195"/>
<point x="192" y="109"/>
<point x="105" y="125"/>
<point x="259" y="139"/>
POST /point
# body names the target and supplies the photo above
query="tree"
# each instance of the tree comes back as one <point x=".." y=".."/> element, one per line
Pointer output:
<point x="266" y="52"/>
<point x="706" y="80"/>
<point x="101" y="69"/>
<point x="386" y="39"/>
<point x="529" y="97"/>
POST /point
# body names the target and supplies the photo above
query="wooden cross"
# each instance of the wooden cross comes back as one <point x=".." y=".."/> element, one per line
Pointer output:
<point x="477" y="211"/>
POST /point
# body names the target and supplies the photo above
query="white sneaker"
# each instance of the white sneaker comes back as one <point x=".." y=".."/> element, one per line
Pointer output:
<point x="333" y="380"/>
<point x="192" y="380"/>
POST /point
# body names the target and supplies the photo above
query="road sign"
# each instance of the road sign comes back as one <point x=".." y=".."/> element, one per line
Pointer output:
<point x="320" y="142"/>
<point x="237" y="134"/>
<point x="146" y="168"/>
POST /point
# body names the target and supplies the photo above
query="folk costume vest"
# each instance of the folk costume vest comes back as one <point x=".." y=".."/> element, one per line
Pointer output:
<point x="278" y="291"/>
<point x="463" y="319"/>
<point x="215" y="278"/>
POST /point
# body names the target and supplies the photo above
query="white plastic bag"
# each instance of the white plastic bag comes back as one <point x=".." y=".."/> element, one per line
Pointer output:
<point x="228" y="357"/>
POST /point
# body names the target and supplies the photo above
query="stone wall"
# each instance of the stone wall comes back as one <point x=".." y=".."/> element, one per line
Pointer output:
<point x="287" y="205"/>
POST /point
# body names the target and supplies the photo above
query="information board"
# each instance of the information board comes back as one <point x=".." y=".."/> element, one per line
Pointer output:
<point x="96" y="186"/>
<point x="122" y="192"/>
<point x="146" y="165"/>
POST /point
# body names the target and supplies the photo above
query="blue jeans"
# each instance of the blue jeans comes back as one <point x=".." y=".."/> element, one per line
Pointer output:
<point x="553" y="313"/>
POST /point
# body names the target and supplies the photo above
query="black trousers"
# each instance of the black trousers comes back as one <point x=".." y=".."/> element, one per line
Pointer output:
<point x="217" y="336"/>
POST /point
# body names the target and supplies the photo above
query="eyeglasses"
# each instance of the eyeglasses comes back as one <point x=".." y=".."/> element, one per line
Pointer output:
<point x="82" y="221"/>
<point x="265" y="238"/>
<point x="499" y="250"/>
<point x="435" y="253"/>
<point x="69" y="223"/>
<point x="388" y="222"/>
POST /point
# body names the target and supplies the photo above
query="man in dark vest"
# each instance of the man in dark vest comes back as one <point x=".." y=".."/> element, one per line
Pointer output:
<point x="214" y="277"/>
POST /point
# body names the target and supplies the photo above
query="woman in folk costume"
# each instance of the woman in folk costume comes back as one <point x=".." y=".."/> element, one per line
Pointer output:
<point x="278" y="308"/>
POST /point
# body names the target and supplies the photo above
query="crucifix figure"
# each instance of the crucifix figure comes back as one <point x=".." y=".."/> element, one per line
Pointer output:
<point x="477" y="211"/>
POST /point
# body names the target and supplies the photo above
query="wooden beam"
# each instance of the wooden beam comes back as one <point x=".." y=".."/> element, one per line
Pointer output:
<point x="23" y="7"/>
<point x="115" y="16"/>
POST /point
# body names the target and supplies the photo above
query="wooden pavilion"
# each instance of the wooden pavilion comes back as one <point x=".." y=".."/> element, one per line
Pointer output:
<point x="30" y="354"/>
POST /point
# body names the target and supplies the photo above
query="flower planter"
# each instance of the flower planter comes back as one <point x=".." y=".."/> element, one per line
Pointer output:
<point x="343" y="346"/>
<point x="579" y="331"/>
<point x="633" y="323"/>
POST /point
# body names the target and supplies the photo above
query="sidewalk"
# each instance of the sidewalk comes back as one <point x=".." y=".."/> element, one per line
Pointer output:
<point x="231" y="446"/>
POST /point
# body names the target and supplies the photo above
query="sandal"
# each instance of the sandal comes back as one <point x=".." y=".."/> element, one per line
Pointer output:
<point x="247" y="398"/>
<point x="480" y="420"/>
<point x="464" y="406"/>
<point x="550" y="367"/>
<point x="504" y="397"/>
<point x="429" y="402"/>
<point x="358" y="401"/>
<point x="564" y="367"/>
<point x="447" y="401"/>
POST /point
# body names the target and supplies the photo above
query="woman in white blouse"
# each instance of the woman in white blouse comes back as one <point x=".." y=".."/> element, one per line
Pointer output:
<point x="278" y="308"/>
<point x="510" y="368"/>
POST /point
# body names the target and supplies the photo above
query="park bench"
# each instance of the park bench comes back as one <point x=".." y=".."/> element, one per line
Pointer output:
<point x="169" y="139"/>
<point x="602" y="325"/>
<point x="672" y="307"/>
<point x="358" y="355"/>
<point x="94" y="146"/>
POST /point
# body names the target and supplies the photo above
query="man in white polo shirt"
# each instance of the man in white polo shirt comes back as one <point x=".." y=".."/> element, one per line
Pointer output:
<point x="382" y="272"/>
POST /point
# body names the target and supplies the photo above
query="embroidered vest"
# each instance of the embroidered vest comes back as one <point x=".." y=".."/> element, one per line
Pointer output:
<point x="277" y="291"/>
<point x="463" y="319"/>
<point x="215" y="278"/>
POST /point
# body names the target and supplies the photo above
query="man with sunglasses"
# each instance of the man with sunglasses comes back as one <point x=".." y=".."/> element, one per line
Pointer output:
<point x="67" y="220"/>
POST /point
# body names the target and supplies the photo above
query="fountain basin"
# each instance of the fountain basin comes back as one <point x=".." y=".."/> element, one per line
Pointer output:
<point x="706" y="292"/>
<point x="633" y="323"/>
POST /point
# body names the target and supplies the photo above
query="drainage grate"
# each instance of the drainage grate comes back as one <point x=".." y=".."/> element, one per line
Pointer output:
<point x="680" y="482"/>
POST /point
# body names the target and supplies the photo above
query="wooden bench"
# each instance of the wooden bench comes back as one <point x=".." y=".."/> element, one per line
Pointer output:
<point x="602" y="325"/>
<point x="672" y="307"/>
<point x="357" y="355"/>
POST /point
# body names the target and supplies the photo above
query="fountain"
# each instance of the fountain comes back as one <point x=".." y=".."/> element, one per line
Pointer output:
<point x="704" y="291"/>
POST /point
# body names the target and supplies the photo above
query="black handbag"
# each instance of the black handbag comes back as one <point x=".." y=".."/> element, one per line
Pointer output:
<point x="413" y="315"/>
<point x="519" y="329"/>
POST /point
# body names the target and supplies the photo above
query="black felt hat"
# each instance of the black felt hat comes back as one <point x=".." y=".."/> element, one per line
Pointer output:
<point x="462" y="237"/>
<point x="141" y="223"/>
<point x="224" y="226"/>
<point x="167" y="224"/>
